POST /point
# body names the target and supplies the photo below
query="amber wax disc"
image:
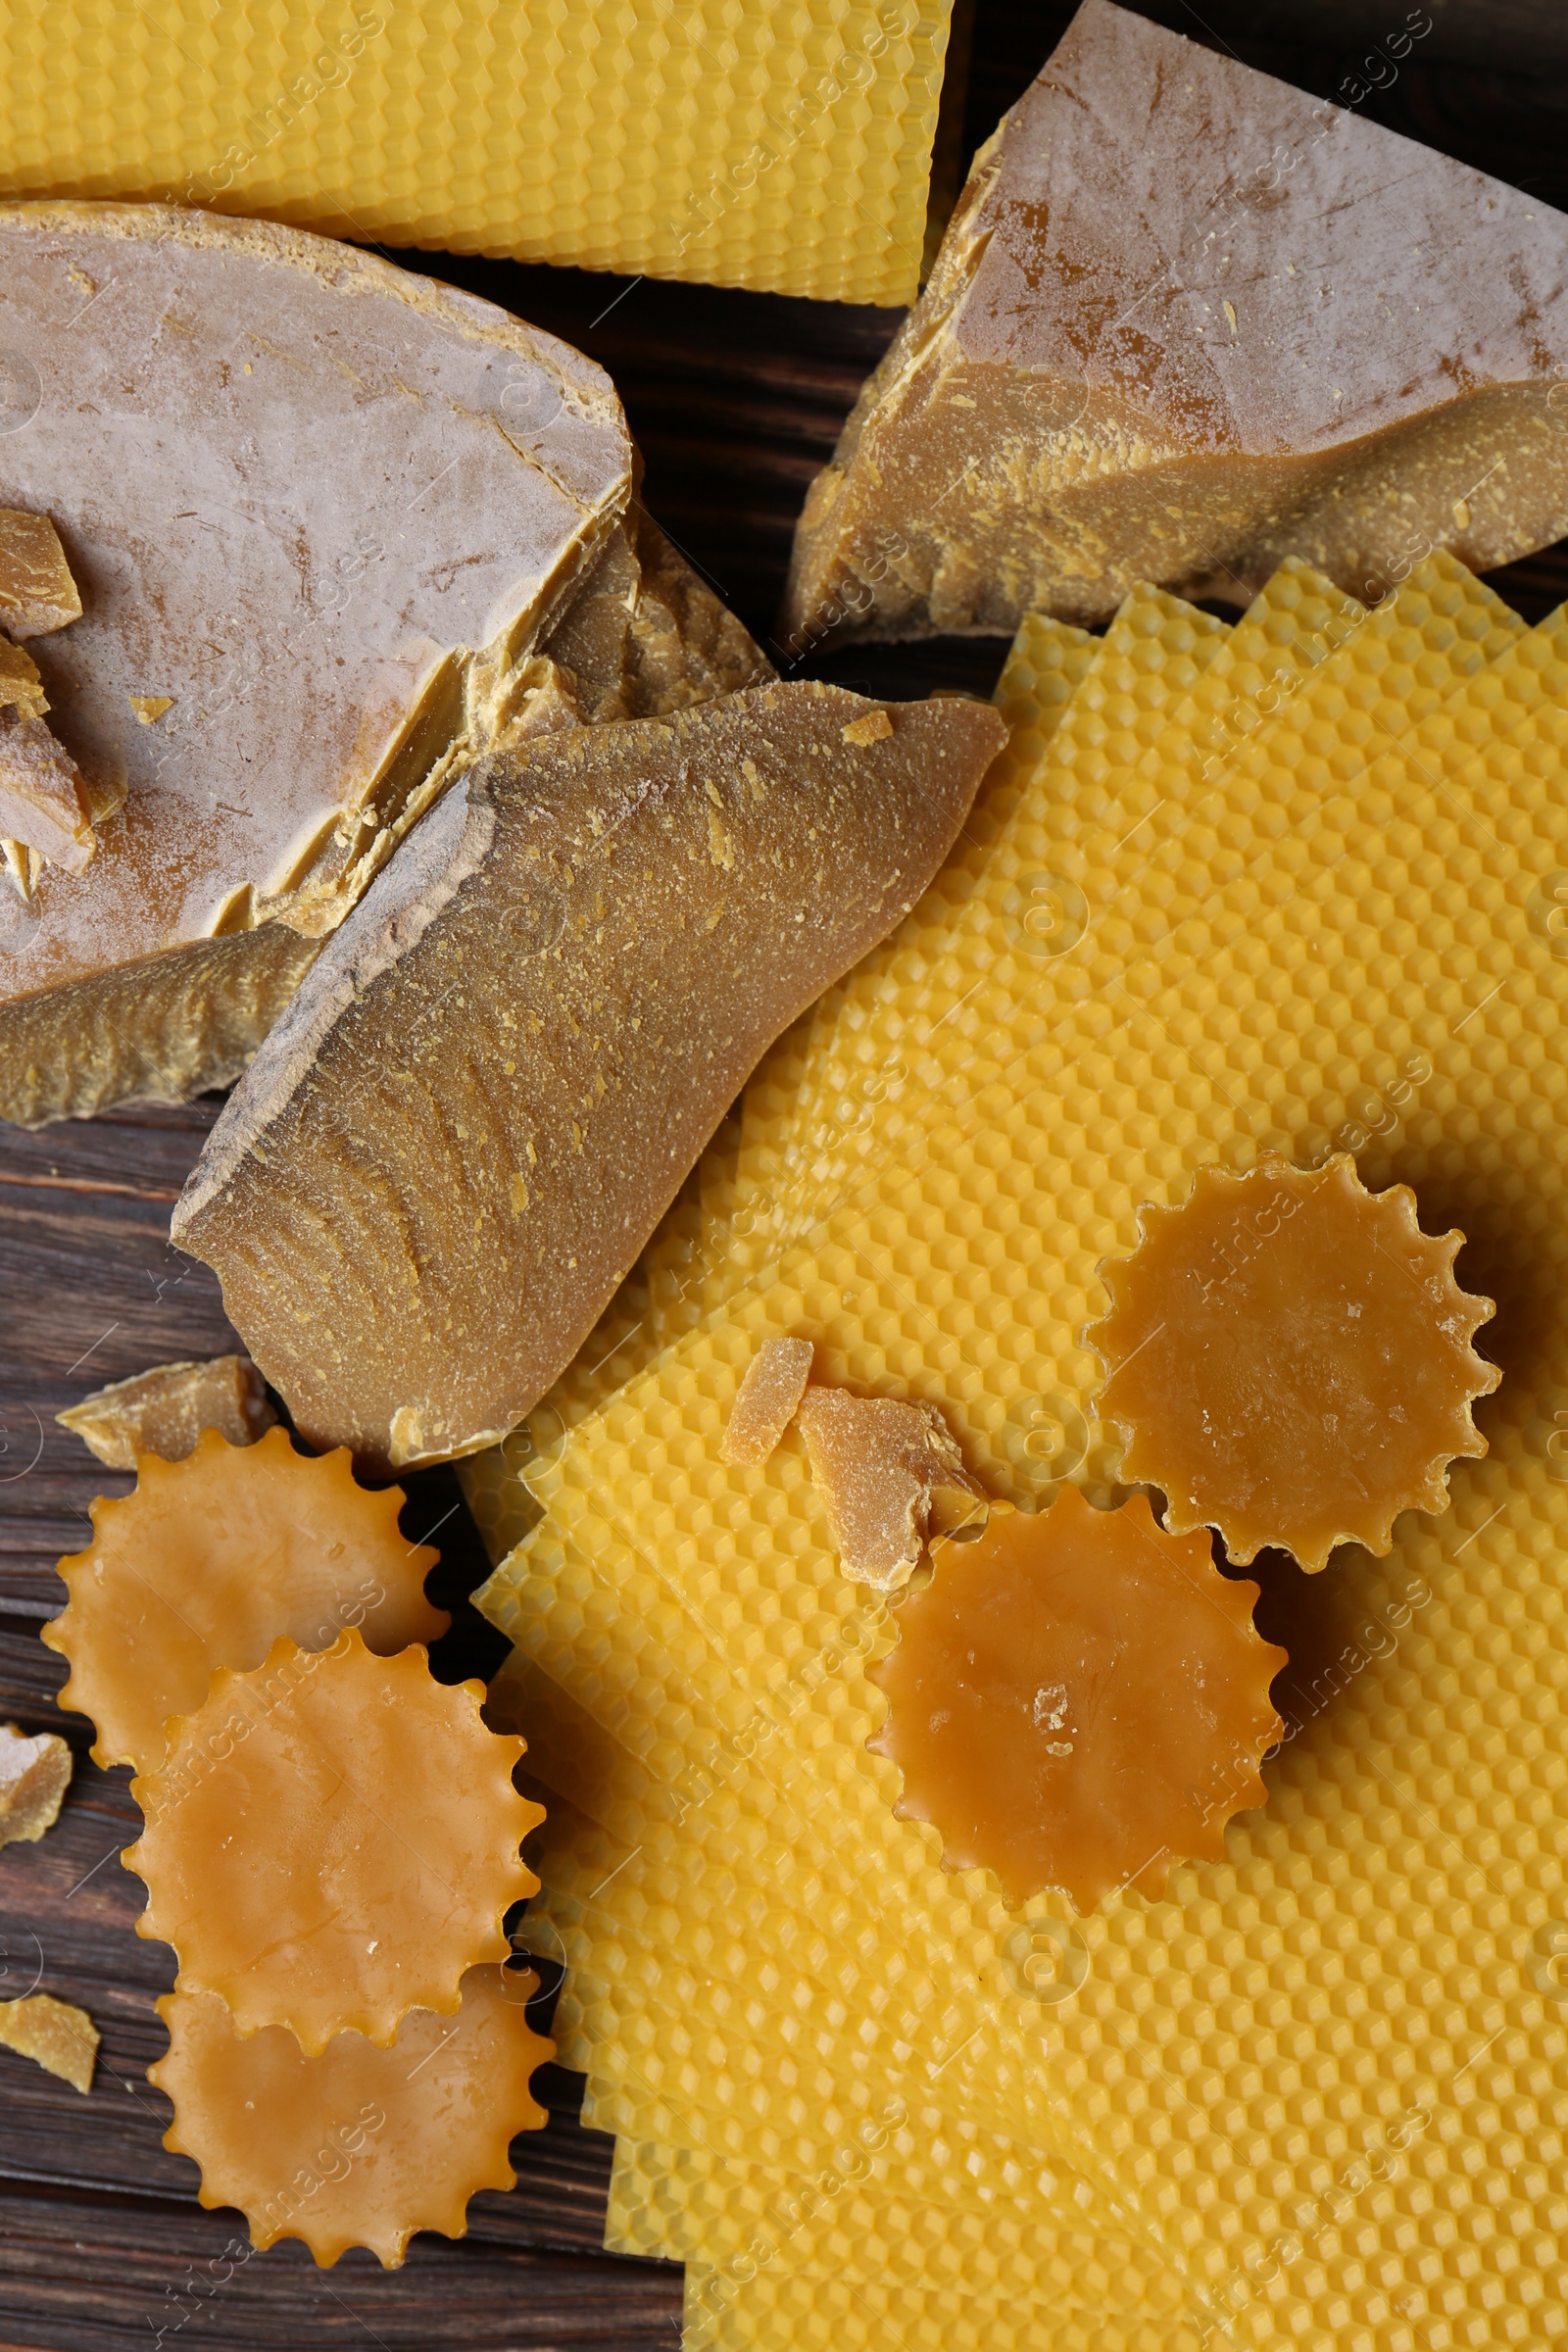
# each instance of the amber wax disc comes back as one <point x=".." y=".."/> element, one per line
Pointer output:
<point x="1289" y="1359"/>
<point x="1077" y="1700"/>
<point x="358" y="2146"/>
<point x="208" y="1562"/>
<point x="331" y="1840"/>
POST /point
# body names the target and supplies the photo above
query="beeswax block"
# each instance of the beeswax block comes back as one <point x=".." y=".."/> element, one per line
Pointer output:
<point x="1186" y="322"/>
<point x="208" y="1562"/>
<point x="356" y="2146"/>
<point x="322" y="505"/>
<point x="165" y="1411"/>
<point x="768" y="147"/>
<point x="401" y="1854"/>
<point x="629" y="915"/>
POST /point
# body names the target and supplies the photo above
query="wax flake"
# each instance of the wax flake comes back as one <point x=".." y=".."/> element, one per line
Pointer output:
<point x="164" y="1411"/>
<point x="35" y="1775"/>
<point x="62" y="2039"/>
<point x="766" y="1401"/>
<point x="889" y="1474"/>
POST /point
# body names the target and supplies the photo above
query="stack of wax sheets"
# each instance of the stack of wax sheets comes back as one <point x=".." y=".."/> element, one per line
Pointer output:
<point x="1294" y="884"/>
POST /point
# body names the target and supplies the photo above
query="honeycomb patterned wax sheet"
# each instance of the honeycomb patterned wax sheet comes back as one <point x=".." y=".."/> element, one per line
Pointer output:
<point x="822" y="1913"/>
<point x="779" y="2310"/>
<point x="1355" y="2024"/>
<point x="690" y="2206"/>
<point x="762" y="143"/>
<point x="689" y="1966"/>
<point x="1045" y="669"/>
<point x="1404" y="667"/>
<point x="922" y="2156"/>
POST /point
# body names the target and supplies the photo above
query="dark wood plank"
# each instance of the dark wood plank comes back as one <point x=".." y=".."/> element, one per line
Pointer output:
<point x="79" y="2274"/>
<point x="94" y="1292"/>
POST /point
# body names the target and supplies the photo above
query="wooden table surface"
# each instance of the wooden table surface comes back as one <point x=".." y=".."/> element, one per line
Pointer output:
<point x="736" y="401"/>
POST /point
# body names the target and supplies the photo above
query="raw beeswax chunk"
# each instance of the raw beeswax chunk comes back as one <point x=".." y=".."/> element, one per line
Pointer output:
<point x="165" y="1411"/>
<point x="1289" y="1359"/>
<point x="890" y="1475"/>
<point x="358" y="2146"/>
<point x="35" y="1775"/>
<point x="1078" y="1700"/>
<point x="332" y="1840"/>
<point x="766" y="1401"/>
<point x="208" y="1561"/>
<point x="37" y="593"/>
<point x="451" y="1151"/>
<point x="62" y="2039"/>
<point x="1186" y="322"/>
<point x="325" y="508"/>
<point x="43" y="802"/>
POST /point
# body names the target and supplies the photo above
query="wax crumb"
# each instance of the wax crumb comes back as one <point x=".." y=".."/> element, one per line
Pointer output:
<point x="875" y="727"/>
<point x="891" y="1475"/>
<point x="164" y="1411"/>
<point x="35" y="1775"/>
<point x="60" y="2039"/>
<point x="766" y="1401"/>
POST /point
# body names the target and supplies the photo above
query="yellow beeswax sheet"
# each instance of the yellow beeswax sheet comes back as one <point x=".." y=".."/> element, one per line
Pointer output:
<point x="689" y="2206"/>
<point x="781" y="2311"/>
<point x="1326" y="2073"/>
<point x="762" y="143"/>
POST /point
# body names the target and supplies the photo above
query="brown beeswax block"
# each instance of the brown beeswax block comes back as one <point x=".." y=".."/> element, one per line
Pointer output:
<point x="1077" y="1700"/>
<point x="35" y="1775"/>
<point x="1188" y="321"/>
<point x="766" y="1401"/>
<point x="451" y="1151"/>
<point x="1289" y="1359"/>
